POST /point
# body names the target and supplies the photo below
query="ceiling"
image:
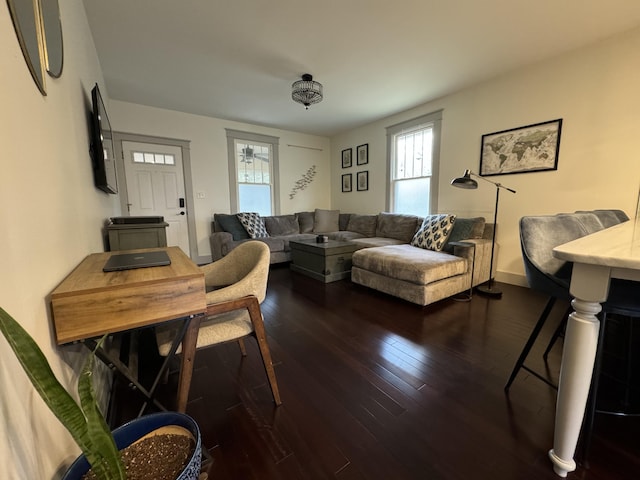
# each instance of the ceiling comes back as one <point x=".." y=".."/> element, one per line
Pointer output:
<point x="237" y="59"/>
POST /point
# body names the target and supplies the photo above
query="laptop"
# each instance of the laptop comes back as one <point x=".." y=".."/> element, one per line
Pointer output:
<point x="129" y="261"/>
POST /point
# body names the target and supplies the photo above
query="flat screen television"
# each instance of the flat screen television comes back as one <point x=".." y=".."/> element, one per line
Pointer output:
<point x="102" y="147"/>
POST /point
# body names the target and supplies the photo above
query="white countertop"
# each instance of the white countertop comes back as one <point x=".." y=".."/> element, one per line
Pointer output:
<point x="616" y="247"/>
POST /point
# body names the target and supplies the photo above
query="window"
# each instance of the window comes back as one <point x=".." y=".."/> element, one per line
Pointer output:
<point x="253" y="160"/>
<point x="413" y="155"/>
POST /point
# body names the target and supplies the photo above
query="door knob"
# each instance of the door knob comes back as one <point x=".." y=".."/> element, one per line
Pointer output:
<point x="182" y="213"/>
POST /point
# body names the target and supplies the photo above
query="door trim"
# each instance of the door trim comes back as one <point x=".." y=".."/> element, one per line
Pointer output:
<point x="185" y="147"/>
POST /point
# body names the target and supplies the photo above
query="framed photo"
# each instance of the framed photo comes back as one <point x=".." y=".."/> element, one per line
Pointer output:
<point x="346" y="182"/>
<point x="362" y="181"/>
<point x="346" y="158"/>
<point x="362" y="153"/>
<point x="533" y="148"/>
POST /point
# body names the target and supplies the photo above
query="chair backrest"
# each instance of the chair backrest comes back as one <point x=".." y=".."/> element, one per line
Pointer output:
<point x="245" y="269"/>
<point x="539" y="235"/>
<point x="609" y="218"/>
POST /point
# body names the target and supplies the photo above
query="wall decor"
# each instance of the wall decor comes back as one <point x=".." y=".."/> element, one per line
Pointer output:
<point x="532" y="148"/>
<point x="362" y="180"/>
<point x="346" y="158"/>
<point x="39" y="33"/>
<point x="304" y="182"/>
<point x="346" y="182"/>
<point x="362" y="157"/>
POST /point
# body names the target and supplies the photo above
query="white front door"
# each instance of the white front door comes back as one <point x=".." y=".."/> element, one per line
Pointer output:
<point x="155" y="186"/>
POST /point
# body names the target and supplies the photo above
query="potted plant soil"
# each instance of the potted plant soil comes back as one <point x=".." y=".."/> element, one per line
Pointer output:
<point x="161" y="446"/>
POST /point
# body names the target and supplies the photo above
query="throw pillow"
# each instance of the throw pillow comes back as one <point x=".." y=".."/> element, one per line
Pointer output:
<point x="231" y="224"/>
<point x="434" y="232"/>
<point x="326" y="221"/>
<point x="465" y="228"/>
<point x="282" y="225"/>
<point x="305" y="220"/>
<point x="364" y="224"/>
<point x="253" y="224"/>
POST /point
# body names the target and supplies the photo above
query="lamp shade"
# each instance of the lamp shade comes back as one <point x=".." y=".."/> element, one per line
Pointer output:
<point x="465" y="181"/>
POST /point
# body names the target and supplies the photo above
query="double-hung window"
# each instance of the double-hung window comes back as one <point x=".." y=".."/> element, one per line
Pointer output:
<point x="413" y="155"/>
<point x="253" y="160"/>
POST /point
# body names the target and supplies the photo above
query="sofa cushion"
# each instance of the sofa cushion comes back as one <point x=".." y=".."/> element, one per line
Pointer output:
<point x="466" y="228"/>
<point x="305" y="220"/>
<point x="344" y="235"/>
<point x="396" y="225"/>
<point x="253" y="224"/>
<point x="411" y="264"/>
<point x="231" y="223"/>
<point x="282" y="225"/>
<point x="434" y="232"/>
<point x="367" y="242"/>
<point x="326" y="221"/>
<point x="364" y="224"/>
<point x="343" y="221"/>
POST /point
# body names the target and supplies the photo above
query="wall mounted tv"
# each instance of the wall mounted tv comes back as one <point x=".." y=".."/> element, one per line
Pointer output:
<point x="102" y="147"/>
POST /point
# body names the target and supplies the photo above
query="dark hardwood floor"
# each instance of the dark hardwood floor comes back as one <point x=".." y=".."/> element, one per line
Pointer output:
<point x="377" y="388"/>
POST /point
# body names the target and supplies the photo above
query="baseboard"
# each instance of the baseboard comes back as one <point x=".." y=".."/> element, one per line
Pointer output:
<point x="512" y="279"/>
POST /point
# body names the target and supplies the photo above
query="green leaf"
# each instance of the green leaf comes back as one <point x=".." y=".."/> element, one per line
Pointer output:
<point x="104" y="454"/>
<point x="90" y="436"/>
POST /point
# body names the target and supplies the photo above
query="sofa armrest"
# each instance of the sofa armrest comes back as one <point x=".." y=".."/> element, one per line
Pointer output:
<point x="220" y="244"/>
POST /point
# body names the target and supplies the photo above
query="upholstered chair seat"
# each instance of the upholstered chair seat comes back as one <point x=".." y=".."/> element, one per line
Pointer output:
<point x="236" y="285"/>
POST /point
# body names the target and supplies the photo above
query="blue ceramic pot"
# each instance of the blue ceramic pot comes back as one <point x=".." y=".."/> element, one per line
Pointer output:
<point x="138" y="428"/>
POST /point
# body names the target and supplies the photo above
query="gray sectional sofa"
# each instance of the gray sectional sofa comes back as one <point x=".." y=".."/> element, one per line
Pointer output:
<point x="386" y="260"/>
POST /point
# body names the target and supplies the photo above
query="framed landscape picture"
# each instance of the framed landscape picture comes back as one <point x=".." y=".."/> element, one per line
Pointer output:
<point x="362" y="154"/>
<point x="533" y="148"/>
<point x="346" y="158"/>
<point x="362" y="180"/>
<point x="346" y="182"/>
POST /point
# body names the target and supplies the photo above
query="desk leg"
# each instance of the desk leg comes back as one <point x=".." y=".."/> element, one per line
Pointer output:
<point x="580" y="343"/>
<point x="189" y="342"/>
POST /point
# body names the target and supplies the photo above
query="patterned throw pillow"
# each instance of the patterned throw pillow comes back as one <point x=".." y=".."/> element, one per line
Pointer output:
<point x="253" y="224"/>
<point x="434" y="232"/>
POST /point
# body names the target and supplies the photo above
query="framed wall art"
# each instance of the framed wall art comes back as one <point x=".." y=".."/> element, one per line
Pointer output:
<point x="362" y="181"/>
<point x="533" y="148"/>
<point x="362" y="154"/>
<point x="346" y="182"/>
<point x="346" y="158"/>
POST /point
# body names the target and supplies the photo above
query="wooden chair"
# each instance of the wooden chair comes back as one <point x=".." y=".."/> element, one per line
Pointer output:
<point x="236" y="285"/>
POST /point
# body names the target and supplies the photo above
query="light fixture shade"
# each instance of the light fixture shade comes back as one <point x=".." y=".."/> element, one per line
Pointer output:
<point x="465" y="181"/>
<point x="306" y="91"/>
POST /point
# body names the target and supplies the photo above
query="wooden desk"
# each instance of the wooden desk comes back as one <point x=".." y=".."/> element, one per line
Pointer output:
<point x="610" y="253"/>
<point x="90" y="303"/>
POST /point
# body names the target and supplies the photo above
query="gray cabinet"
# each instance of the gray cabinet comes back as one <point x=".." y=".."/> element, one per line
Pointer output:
<point x="127" y="233"/>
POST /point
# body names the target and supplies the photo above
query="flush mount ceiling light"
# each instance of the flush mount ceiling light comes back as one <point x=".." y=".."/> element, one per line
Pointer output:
<point x="306" y="91"/>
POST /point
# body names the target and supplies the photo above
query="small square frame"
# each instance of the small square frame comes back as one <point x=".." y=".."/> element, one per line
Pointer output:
<point x="362" y="153"/>
<point x="362" y="181"/>
<point x="346" y="182"/>
<point x="346" y="158"/>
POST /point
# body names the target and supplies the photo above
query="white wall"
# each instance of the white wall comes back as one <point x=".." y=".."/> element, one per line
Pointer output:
<point x="594" y="90"/>
<point x="52" y="217"/>
<point x="209" y="163"/>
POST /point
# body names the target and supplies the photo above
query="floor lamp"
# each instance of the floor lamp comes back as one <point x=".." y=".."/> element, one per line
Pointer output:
<point x="465" y="181"/>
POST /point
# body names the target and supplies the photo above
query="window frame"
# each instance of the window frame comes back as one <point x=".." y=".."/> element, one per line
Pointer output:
<point x="249" y="137"/>
<point x="433" y="120"/>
